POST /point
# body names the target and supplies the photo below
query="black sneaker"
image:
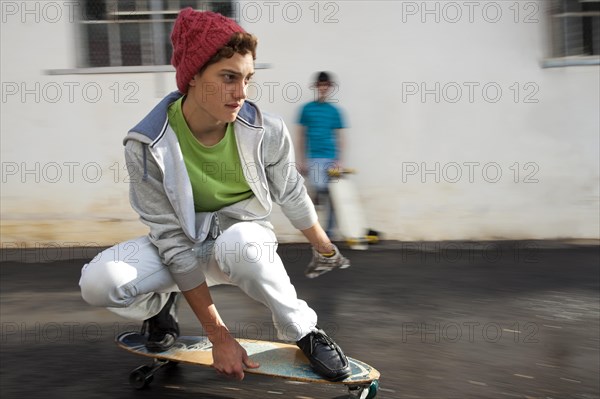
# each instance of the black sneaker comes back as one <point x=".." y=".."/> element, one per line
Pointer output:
<point x="325" y="356"/>
<point x="162" y="329"/>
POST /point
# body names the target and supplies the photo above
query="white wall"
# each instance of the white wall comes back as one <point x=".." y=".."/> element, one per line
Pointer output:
<point x="544" y="142"/>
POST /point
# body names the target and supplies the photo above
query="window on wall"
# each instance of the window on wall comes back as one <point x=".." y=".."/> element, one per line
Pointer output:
<point x="575" y="27"/>
<point x="133" y="32"/>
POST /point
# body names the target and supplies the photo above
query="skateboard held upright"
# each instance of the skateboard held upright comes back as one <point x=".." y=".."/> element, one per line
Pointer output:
<point x="350" y="216"/>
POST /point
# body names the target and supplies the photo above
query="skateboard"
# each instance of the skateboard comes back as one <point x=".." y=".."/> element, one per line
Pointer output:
<point x="348" y="210"/>
<point x="276" y="359"/>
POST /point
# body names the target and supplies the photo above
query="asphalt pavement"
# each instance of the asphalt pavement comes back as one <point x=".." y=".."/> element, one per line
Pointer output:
<point x="511" y="319"/>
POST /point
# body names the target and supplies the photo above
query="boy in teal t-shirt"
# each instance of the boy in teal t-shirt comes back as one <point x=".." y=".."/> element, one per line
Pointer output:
<point x="321" y="139"/>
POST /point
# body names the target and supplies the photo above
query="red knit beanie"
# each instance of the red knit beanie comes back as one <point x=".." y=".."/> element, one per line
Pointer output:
<point x="196" y="37"/>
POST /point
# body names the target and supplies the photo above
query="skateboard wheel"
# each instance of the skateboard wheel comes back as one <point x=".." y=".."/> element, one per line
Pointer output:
<point x="373" y="388"/>
<point x="141" y="377"/>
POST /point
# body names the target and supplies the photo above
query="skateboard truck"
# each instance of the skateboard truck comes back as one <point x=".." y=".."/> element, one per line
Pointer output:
<point x="142" y="376"/>
<point x="368" y="391"/>
<point x="362" y="243"/>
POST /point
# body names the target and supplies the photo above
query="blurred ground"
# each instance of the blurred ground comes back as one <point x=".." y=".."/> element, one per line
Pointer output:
<point x="439" y="320"/>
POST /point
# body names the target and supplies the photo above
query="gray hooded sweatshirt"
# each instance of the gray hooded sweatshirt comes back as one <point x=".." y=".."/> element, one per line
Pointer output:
<point x="161" y="191"/>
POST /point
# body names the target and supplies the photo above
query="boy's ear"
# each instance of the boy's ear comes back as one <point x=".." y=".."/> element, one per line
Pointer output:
<point x="193" y="81"/>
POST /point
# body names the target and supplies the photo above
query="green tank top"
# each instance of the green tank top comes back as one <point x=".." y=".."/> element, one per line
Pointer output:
<point x="215" y="172"/>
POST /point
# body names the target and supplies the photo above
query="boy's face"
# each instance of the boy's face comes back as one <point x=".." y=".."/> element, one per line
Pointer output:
<point x="221" y="89"/>
<point x="323" y="89"/>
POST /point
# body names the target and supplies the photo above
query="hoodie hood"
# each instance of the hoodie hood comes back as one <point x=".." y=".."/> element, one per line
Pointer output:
<point x="150" y="129"/>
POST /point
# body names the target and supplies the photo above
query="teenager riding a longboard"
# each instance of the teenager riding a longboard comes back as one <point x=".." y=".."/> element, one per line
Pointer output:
<point x="206" y="166"/>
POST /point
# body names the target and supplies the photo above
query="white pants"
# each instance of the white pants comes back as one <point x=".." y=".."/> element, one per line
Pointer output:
<point x="131" y="280"/>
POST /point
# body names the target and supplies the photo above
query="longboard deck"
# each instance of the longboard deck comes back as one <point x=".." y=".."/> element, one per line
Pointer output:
<point x="275" y="359"/>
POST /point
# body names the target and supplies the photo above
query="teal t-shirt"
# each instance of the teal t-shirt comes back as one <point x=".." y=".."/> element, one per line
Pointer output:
<point x="321" y="119"/>
<point x="215" y="172"/>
